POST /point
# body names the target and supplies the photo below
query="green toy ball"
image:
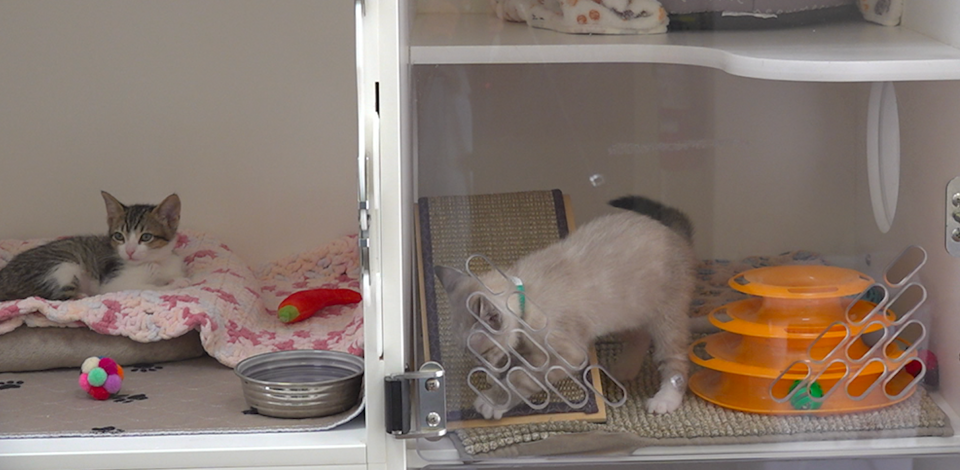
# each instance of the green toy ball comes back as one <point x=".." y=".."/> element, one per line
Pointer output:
<point x="802" y="399"/>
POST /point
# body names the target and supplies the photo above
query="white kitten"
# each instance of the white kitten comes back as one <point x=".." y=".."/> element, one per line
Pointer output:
<point x="630" y="273"/>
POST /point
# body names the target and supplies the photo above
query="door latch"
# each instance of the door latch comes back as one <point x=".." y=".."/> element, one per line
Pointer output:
<point x="416" y="403"/>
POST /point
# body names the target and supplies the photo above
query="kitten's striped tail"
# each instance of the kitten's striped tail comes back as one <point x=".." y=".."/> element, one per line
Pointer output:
<point x="672" y="218"/>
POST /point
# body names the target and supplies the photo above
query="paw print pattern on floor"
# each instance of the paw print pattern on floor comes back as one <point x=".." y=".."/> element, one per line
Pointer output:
<point x="145" y="368"/>
<point x="107" y="430"/>
<point x="11" y="384"/>
<point x="129" y="398"/>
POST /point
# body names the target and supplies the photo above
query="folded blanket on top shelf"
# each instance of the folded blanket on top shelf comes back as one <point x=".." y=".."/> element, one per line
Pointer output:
<point x="653" y="16"/>
<point x="232" y="306"/>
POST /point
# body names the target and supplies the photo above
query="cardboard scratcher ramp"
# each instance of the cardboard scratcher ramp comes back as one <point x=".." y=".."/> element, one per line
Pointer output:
<point x="698" y="422"/>
<point x="504" y="228"/>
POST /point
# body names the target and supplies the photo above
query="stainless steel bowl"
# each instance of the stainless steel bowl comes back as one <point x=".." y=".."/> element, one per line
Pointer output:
<point x="301" y="383"/>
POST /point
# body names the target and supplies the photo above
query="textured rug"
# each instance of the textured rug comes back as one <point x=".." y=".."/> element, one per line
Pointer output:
<point x="697" y="422"/>
<point x="196" y="396"/>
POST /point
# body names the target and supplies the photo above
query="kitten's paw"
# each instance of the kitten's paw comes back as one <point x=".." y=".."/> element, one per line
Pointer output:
<point x="178" y="283"/>
<point x="665" y="401"/>
<point x="488" y="410"/>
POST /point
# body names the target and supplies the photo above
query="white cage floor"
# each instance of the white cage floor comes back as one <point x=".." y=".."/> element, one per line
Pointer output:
<point x="195" y="396"/>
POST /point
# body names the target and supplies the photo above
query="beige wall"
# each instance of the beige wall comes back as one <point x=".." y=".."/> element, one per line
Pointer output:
<point x="788" y="178"/>
<point x="761" y="167"/>
<point x="930" y="119"/>
<point x="245" y="108"/>
<point x="933" y="18"/>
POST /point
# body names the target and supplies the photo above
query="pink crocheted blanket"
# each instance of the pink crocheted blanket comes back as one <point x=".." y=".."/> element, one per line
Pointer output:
<point x="233" y="306"/>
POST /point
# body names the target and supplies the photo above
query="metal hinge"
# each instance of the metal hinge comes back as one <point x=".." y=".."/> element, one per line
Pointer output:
<point x="416" y="403"/>
<point x="365" y="178"/>
<point x="364" y="239"/>
<point x="953" y="217"/>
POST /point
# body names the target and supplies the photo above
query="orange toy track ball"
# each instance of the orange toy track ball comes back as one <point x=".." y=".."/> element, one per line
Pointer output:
<point x="781" y="339"/>
<point x="304" y="304"/>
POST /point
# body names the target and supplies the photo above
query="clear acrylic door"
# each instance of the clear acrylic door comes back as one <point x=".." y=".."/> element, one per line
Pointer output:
<point x="812" y="292"/>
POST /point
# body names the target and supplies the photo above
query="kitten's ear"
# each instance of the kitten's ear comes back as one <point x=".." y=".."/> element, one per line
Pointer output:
<point x="457" y="284"/>
<point x="451" y="278"/>
<point x="169" y="211"/>
<point x="460" y="287"/>
<point x="115" y="210"/>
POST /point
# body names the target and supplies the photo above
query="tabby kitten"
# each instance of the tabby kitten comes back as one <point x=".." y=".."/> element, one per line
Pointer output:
<point x="137" y="253"/>
<point x="629" y="274"/>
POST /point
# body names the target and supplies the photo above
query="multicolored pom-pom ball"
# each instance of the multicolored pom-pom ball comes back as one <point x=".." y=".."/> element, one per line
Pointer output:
<point x="100" y="377"/>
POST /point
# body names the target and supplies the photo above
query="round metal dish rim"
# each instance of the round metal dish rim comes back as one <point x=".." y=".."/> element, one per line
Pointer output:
<point x="307" y="354"/>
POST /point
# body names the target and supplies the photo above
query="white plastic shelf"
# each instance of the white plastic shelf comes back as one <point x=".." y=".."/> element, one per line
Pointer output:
<point x="342" y="448"/>
<point x="837" y="52"/>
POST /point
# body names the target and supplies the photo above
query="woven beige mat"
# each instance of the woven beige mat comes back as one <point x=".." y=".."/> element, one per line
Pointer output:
<point x="696" y="421"/>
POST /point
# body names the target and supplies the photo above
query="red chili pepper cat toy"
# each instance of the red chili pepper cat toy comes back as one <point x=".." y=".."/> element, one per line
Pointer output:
<point x="304" y="304"/>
